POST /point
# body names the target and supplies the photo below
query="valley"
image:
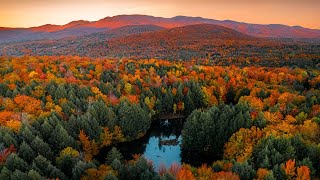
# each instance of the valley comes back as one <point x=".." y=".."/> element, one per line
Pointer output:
<point x="141" y="97"/>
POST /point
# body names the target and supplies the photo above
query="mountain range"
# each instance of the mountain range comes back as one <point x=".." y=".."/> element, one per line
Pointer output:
<point x="136" y="41"/>
<point x="82" y="27"/>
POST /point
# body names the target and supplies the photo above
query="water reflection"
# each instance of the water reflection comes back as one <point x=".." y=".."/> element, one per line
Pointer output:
<point x="161" y="144"/>
<point x="163" y="154"/>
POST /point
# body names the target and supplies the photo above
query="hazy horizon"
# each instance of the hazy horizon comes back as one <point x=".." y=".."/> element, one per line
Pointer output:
<point x="153" y="16"/>
<point x="31" y="13"/>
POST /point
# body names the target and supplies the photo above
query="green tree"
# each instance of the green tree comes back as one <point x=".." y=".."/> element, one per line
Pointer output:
<point x="26" y="152"/>
<point x="15" y="162"/>
<point x="207" y="132"/>
<point x="189" y="106"/>
<point x="5" y="173"/>
<point x="45" y="168"/>
<point x="104" y="114"/>
<point x="59" y="138"/>
<point x="26" y="133"/>
<point x="8" y="140"/>
<point x="18" y="175"/>
<point x="244" y="170"/>
<point x="271" y="151"/>
<point x="133" y="120"/>
<point x="260" y="121"/>
<point x="34" y="175"/>
<point x="112" y="155"/>
<point x="80" y="168"/>
<point x="46" y="129"/>
<point x="42" y="147"/>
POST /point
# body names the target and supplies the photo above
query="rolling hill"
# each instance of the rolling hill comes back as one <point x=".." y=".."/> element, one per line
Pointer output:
<point x="218" y="44"/>
<point x="140" y="41"/>
<point x="82" y="27"/>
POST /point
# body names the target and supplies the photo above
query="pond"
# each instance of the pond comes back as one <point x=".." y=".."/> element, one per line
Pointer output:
<point x="161" y="145"/>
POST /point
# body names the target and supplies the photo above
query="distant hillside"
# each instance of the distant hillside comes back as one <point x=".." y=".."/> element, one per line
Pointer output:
<point x="179" y="43"/>
<point x="77" y="45"/>
<point x="140" y="42"/>
<point x="191" y="32"/>
<point x="82" y="27"/>
<point x="54" y="28"/>
<point x="121" y="32"/>
<point x="272" y="30"/>
<point x="201" y="42"/>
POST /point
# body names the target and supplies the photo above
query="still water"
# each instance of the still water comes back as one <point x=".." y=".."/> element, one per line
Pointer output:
<point x="161" y="144"/>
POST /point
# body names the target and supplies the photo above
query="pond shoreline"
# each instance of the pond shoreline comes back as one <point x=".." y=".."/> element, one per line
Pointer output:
<point x="156" y="145"/>
<point x="171" y="116"/>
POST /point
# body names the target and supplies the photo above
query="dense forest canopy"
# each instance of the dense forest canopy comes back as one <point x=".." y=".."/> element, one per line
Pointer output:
<point x="58" y="112"/>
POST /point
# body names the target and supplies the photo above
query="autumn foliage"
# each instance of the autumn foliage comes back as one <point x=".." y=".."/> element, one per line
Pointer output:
<point x="248" y="122"/>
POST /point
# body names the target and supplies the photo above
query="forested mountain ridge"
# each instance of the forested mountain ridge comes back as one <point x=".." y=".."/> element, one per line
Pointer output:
<point x="82" y="27"/>
<point x="217" y="44"/>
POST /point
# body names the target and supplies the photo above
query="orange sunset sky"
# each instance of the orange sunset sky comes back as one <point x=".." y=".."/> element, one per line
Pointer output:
<point x="27" y="13"/>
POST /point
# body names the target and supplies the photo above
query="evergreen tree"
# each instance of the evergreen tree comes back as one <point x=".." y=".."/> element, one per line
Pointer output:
<point x="45" y="168"/>
<point x="79" y="169"/>
<point x="41" y="147"/>
<point x="40" y="164"/>
<point x="34" y="175"/>
<point x="168" y="102"/>
<point x="110" y="177"/>
<point x="278" y="172"/>
<point x="207" y="132"/>
<point x="103" y="114"/>
<point x="66" y="163"/>
<point x="113" y="154"/>
<point x="244" y="170"/>
<point x="15" y="162"/>
<point x="5" y="173"/>
<point x="26" y="152"/>
<point x="197" y="95"/>
<point x="271" y="151"/>
<point x="188" y="103"/>
<point x="116" y="164"/>
<point x="260" y="121"/>
<point x="46" y="129"/>
<point x="9" y="140"/>
<point x="60" y="139"/>
<point x="18" y="175"/>
<point x="133" y="120"/>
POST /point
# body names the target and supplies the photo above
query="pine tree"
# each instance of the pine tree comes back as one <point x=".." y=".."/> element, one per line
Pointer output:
<point x="5" y="173"/>
<point x="42" y="147"/>
<point x="60" y="139"/>
<point x="112" y="155"/>
<point x="34" y="175"/>
<point x="9" y="140"/>
<point x="79" y="169"/>
<point x="244" y="170"/>
<point x="46" y="129"/>
<point x="26" y="152"/>
<point x="133" y="120"/>
<point x="15" y="162"/>
<point x="18" y="175"/>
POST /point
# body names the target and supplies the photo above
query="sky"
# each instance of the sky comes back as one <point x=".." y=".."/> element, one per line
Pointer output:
<point x="28" y="13"/>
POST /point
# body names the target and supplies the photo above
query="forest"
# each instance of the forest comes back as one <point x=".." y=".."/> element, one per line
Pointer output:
<point x="216" y="44"/>
<point x="57" y="113"/>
